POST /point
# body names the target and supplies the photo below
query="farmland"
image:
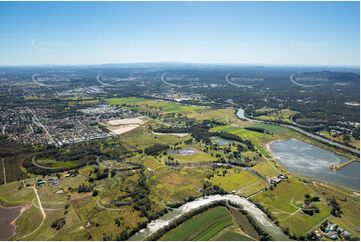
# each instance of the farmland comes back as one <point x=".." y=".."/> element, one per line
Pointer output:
<point x="215" y="223"/>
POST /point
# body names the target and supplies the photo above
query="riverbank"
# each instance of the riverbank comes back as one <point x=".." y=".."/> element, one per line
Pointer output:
<point x="248" y="206"/>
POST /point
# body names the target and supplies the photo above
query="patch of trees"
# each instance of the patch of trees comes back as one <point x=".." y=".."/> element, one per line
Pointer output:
<point x="84" y="188"/>
<point x="58" y="223"/>
<point x="229" y="136"/>
<point x="199" y="131"/>
<point x="356" y="133"/>
<point x="209" y="189"/>
<point x="141" y="201"/>
<point x="256" y="129"/>
<point x="335" y="207"/>
<point x="155" y="149"/>
<point x="309" y="208"/>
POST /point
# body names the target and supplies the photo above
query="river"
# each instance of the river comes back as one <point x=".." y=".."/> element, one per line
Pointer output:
<point x="314" y="162"/>
<point x="255" y="212"/>
<point x="240" y="115"/>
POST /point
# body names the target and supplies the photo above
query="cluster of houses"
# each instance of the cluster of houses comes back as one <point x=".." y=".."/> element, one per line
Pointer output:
<point x="332" y="231"/>
<point x="273" y="181"/>
<point x="52" y="180"/>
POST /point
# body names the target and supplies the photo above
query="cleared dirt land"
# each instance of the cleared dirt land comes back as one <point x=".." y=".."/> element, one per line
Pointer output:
<point x="120" y="126"/>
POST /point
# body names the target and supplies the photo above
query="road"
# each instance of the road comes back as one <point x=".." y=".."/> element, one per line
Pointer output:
<point x="314" y="136"/>
<point x="324" y="140"/>
<point x="42" y="213"/>
<point x="38" y="123"/>
<point x="2" y="159"/>
<point x="43" y="167"/>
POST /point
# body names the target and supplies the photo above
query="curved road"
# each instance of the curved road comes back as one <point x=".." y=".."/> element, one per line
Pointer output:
<point x="314" y="136"/>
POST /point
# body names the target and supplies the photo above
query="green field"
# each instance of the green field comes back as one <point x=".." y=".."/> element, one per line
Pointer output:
<point x="285" y="201"/>
<point x="231" y="236"/>
<point x="153" y="105"/>
<point x="51" y="163"/>
<point x="235" y="180"/>
<point x="283" y="115"/>
<point x="204" y="226"/>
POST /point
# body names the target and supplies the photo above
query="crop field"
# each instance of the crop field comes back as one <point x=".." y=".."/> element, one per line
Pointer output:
<point x="203" y="226"/>
<point x="243" y="222"/>
<point x="229" y="235"/>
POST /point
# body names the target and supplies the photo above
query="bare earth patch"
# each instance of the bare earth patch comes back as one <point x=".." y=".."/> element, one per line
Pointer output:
<point x="120" y="126"/>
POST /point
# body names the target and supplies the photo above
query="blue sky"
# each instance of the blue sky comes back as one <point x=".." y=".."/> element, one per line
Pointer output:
<point x="276" y="33"/>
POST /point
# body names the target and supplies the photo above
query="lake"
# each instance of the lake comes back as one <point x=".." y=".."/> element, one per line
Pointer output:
<point x="189" y="151"/>
<point x="314" y="162"/>
<point x="222" y="141"/>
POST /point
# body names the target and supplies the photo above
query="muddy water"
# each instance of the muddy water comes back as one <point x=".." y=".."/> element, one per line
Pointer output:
<point x="314" y="162"/>
<point x="7" y="216"/>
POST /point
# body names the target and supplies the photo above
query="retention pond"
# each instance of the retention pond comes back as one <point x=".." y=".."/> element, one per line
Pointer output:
<point x="315" y="162"/>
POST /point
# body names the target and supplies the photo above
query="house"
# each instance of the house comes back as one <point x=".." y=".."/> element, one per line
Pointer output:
<point x="318" y="233"/>
<point x="40" y="182"/>
<point x="331" y="234"/>
<point x="54" y="180"/>
<point x="345" y="234"/>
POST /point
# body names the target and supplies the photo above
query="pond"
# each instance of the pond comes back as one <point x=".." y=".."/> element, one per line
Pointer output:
<point x="188" y="151"/>
<point x="221" y="141"/>
<point x="7" y="216"/>
<point x="314" y="162"/>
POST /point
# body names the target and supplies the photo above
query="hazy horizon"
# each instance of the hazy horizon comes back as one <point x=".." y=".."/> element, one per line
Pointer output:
<point x="232" y="33"/>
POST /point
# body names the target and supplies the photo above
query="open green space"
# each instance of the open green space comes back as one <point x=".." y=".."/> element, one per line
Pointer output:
<point x="234" y="179"/>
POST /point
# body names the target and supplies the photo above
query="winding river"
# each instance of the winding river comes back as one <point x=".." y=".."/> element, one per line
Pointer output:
<point x="255" y="212"/>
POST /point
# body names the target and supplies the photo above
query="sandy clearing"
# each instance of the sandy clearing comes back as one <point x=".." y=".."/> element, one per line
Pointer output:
<point x="120" y="126"/>
<point x="125" y="121"/>
<point x="122" y="129"/>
